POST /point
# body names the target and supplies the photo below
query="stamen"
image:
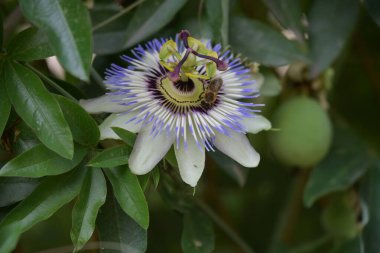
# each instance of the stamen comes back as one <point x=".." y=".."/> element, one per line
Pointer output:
<point x="220" y="65"/>
<point x="184" y="34"/>
<point x="174" y="76"/>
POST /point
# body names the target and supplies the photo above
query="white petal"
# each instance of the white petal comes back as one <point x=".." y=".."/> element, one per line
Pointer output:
<point x="148" y="150"/>
<point x="105" y="103"/>
<point x="256" y="124"/>
<point x="191" y="161"/>
<point x="118" y="120"/>
<point x="238" y="148"/>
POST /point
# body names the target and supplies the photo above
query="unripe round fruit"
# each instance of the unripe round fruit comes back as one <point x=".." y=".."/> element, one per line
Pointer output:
<point x="340" y="220"/>
<point x="304" y="134"/>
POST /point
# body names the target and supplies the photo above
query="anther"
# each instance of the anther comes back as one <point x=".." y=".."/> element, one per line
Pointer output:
<point x="220" y="65"/>
<point x="184" y="34"/>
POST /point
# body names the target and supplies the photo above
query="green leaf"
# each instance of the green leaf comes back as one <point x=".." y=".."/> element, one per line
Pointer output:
<point x="198" y="233"/>
<point x="29" y="45"/>
<point x="111" y="157"/>
<point x="5" y="106"/>
<point x="217" y="14"/>
<point x="156" y="176"/>
<point x="14" y="190"/>
<point x="373" y="8"/>
<point x="129" y="194"/>
<point x="46" y="199"/>
<point x="67" y="26"/>
<point x="125" y="135"/>
<point x="40" y="161"/>
<point x="262" y="44"/>
<point x="10" y="235"/>
<point x="329" y="34"/>
<point x="346" y="162"/>
<point x="149" y="18"/>
<point x="288" y="13"/>
<point x="117" y="231"/>
<point x="83" y="127"/>
<point x="370" y="191"/>
<point x="38" y="108"/>
<point x="91" y="197"/>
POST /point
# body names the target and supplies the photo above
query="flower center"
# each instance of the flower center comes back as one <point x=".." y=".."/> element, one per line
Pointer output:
<point x="181" y="94"/>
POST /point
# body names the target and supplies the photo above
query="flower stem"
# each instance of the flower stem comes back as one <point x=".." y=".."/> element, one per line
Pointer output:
<point x="52" y="83"/>
<point x="222" y="225"/>
<point x="116" y="16"/>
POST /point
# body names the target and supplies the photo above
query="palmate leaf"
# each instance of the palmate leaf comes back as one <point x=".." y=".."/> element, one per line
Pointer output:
<point x="117" y="231"/>
<point x="345" y="163"/>
<point x="40" y="161"/>
<point x="329" y="34"/>
<point x="29" y="45"/>
<point x="67" y="26"/>
<point x="38" y="108"/>
<point x="129" y="194"/>
<point x="45" y="200"/>
<point x="263" y="44"/>
<point x="15" y="189"/>
<point x="5" y="106"/>
<point x="217" y="14"/>
<point x="91" y="197"/>
<point x="83" y="127"/>
<point x="198" y="233"/>
<point x="150" y="17"/>
<point x="111" y="157"/>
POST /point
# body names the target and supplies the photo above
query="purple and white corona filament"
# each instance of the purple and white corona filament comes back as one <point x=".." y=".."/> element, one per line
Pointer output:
<point x="183" y="93"/>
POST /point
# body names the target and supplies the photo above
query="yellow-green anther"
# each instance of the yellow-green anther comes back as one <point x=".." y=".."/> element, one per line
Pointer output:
<point x="168" y="49"/>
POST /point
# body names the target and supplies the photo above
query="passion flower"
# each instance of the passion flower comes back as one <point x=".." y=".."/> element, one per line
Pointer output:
<point x="183" y="93"/>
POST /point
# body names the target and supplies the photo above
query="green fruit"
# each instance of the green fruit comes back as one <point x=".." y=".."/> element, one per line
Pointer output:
<point x="339" y="219"/>
<point x="304" y="134"/>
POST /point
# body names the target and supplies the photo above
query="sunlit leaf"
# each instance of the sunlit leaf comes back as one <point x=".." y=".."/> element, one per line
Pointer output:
<point x="15" y="189"/>
<point x="345" y="163"/>
<point x="328" y="35"/>
<point x="67" y="26"/>
<point x="111" y="157"/>
<point x="38" y="108"/>
<point x="118" y="232"/>
<point x="91" y="197"/>
<point x="83" y="127"/>
<point x="29" y="45"/>
<point x="217" y="13"/>
<point x="129" y="194"/>
<point x="262" y="44"/>
<point x="40" y="161"/>
<point x="198" y="233"/>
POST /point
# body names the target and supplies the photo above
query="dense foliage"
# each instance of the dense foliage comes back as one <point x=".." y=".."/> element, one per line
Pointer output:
<point x="317" y="188"/>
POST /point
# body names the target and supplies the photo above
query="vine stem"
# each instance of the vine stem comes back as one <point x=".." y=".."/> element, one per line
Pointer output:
<point x="116" y="16"/>
<point x="222" y="225"/>
<point x="52" y="83"/>
<point x="97" y="78"/>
